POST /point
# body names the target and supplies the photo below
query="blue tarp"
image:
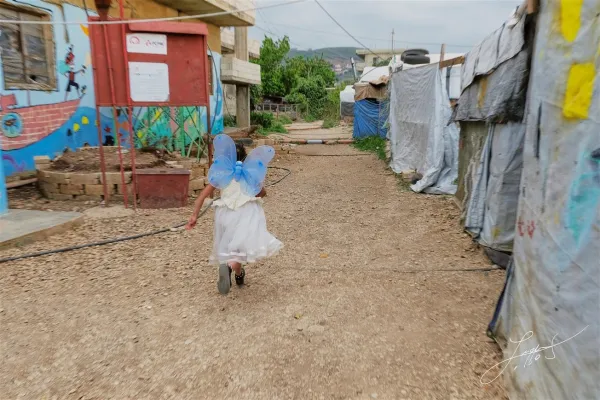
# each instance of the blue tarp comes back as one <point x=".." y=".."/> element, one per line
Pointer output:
<point x="370" y="117"/>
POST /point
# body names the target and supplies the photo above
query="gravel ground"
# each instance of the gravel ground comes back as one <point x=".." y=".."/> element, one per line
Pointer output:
<point x="341" y="313"/>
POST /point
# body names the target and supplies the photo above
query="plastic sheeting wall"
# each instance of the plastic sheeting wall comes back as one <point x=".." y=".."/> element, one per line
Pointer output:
<point x="347" y="109"/>
<point x="347" y="102"/>
<point x="421" y="138"/>
<point x="493" y="173"/>
<point x="472" y="138"/>
<point x="370" y="118"/>
<point x="494" y="50"/>
<point x="553" y="286"/>
<point x="492" y="204"/>
<point x="499" y="96"/>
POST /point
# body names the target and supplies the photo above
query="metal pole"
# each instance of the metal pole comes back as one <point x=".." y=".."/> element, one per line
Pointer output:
<point x="3" y="192"/>
<point x="98" y="121"/>
<point x="129" y="107"/>
<point x="208" y="123"/>
<point x="114" y="112"/>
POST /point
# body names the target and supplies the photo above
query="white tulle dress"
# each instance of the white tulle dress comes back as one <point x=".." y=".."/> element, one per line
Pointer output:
<point x="241" y="228"/>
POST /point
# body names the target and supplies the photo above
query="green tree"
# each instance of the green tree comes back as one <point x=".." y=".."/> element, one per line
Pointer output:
<point x="313" y="90"/>
<point x="383" y="63"/>
<point x="272" y="54"/>
<point x="300" y="80"/>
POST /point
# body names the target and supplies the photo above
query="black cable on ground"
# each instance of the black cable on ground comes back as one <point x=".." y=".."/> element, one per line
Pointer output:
<point x="337" y="155"/>
<point x="125" y="238"/>
<point x="411" y="271"/>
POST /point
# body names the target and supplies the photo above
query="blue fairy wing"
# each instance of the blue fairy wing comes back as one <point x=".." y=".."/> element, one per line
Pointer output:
<point x="254" y="169"/>
<point x="225" y="147"/>
<point x="221" y="171"/>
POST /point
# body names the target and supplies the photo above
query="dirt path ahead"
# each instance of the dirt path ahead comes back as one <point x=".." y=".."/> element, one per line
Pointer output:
<point x="336" y="315"/>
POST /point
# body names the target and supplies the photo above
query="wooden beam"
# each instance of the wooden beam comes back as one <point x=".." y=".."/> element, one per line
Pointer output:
<point x="14" y="184"/>
<point x="452" y="61"/>
<point x="442" y="54"/>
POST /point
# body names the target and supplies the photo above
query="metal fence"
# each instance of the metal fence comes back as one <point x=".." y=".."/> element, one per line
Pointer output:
<point x="291" y="110"/>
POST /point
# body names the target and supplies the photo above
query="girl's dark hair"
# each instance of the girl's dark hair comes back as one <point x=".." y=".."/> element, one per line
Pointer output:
<point x="241" y="151"/>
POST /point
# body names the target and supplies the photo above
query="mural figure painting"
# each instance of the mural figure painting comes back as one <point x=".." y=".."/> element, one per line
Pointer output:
<point x="69" y="71"/>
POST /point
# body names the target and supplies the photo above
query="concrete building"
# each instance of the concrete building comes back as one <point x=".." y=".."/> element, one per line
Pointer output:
<point x="228" y="49"/>
<point x="368" y="59"/>
<point x="47" y="96"/>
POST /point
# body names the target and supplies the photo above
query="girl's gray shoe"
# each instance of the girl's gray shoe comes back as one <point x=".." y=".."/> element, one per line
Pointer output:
<point x="224" y="283"/>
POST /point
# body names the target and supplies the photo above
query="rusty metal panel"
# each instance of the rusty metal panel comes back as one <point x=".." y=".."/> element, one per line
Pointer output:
<point x="163" y="187"/>
<point x="186" y="58"/>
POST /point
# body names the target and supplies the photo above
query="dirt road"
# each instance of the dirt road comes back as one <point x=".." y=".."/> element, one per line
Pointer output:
<point x="339" y="314"/>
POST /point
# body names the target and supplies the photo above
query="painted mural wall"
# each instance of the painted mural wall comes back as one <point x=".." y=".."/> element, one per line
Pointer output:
<point x="61" y="115"/>
<point x="3" y="198"/>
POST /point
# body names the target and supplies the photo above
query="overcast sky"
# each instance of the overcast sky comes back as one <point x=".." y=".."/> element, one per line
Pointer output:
<point x="417" y="23"/>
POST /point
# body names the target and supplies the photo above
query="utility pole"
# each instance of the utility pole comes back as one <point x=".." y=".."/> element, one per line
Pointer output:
<point x="392" y="43"/>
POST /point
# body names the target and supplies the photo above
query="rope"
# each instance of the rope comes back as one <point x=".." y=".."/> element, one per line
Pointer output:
<point x="138" y="21"/>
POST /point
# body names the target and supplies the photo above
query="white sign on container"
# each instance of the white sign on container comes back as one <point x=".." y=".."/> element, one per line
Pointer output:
<point x="146" y="43"/>
<point x="149" y="82"/>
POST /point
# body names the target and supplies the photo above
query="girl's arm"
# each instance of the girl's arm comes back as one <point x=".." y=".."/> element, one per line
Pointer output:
<point x="208" y="190"/>
<point x="262" y="193"/>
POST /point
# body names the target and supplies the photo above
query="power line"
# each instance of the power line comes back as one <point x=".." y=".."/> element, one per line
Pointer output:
<point x="137" y="21"/>
<point x="277" y="36"/>
<point x="370" y="38"/>
<point x="266" y="20"/>
<point x="299" y="47"/>
<point x="344" y="29"/>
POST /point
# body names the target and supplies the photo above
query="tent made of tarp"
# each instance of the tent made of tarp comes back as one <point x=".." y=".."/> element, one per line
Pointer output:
<point x="547" y="317"/>
<point x="370" y="90"/>
<point x="490" y="111"/>
<point x="491" y="210"/>
<point x="347" y="102"/>
<point x="451" y="74"/>
<point x="421" y="136"/>
<point x="370" y="118"/>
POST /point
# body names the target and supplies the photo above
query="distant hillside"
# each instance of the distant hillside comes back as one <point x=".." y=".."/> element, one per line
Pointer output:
<point x="335" y="55"/>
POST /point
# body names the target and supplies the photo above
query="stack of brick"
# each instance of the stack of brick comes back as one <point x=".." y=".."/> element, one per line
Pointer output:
<point x="83" y="186"/>
<point x="89" y="186"/>
<point x="198" y="174"/>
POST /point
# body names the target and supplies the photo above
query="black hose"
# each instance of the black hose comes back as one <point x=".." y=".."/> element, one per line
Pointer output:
<point x="338" y="155"/>
<point x="121" y="239"/>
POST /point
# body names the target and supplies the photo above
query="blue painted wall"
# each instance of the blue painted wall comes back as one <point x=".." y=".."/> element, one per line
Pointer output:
<point x="80" y="127"/>
<point x="3" y="198"/>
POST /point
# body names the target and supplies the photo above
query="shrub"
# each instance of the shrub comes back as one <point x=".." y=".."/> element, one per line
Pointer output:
<point x="278" y="127"/>
<point x="330" y="123"/>
<point x="374" y="144"/>
<point x="284" y="119"/>
<point x="264" y="119"/>
<point x="229" y="120"/>
<point x="314" y="91"/>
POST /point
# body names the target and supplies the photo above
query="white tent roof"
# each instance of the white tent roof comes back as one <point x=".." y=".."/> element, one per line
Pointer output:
<point x="371" y="74"/>
<point x="347" y="95"/>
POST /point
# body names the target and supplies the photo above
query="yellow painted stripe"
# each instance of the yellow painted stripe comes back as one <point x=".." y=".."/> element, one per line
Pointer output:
<point x="570" y="18"/>
<point x="580" y="88"/>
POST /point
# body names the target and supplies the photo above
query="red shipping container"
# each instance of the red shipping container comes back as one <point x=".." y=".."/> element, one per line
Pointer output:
<point x="163" y="187"/>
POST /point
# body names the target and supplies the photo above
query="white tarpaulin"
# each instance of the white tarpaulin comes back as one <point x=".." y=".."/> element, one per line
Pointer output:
<point x="421" y="138"/>
<point x="347" y="102"/>
<point x="551" y="301"/>
<point x="373" y="74"/>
